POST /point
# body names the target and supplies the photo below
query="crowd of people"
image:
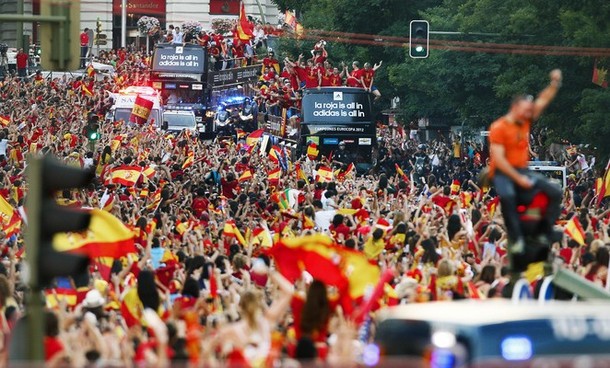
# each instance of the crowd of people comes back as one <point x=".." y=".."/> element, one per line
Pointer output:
<point x="222" y="267"/>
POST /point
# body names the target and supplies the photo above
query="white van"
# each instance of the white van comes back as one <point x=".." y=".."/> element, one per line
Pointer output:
<point x="552" y="170"/>
<point x="125" y="100"/>
<point x="179" y="120"/>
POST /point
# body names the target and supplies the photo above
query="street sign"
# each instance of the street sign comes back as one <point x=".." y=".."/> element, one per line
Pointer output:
<point x="101" y="36"/>
<point x="101" y="42"/>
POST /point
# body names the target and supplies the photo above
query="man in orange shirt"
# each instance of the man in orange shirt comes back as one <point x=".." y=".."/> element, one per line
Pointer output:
<point x="509" y="148"/>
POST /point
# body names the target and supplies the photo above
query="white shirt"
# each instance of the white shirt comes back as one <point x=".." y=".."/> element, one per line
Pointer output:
<point x="3" y="145"/>
<point x="177" y="37"/>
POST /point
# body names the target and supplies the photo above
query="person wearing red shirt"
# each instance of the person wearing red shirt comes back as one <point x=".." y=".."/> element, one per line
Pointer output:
<point x="354" y="79"/>
<point x="339" y="231"/>
<point x="84" y="47"/>
<point x="336" y="78"/>
<point x="22" y="63"/>
<point x="229" y="186"/>
<point x="271" y="62"/>
<point x="313" y="79"/>
<point x="325" y="77"/>
<point x="367" y="78"/>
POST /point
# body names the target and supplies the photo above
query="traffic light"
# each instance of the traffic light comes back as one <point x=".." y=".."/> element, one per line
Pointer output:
<point x="91" y="130"/>
<point x="98" y="26"/>
<point x="419" y="39"/>
<point x="47" y="176"/>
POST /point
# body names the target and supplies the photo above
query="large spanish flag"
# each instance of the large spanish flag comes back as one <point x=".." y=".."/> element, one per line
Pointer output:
<point x="575" y="231"/>
<point x="10" y="220"/>
<point x="131" y="308"/>
<point x="125" y="175"/>
<point x="141" y="110"/>
<point x="107" y="236"/>
<point x="230" y="230"/>
<point x="301" y="173"/>
<point x="244" y="27"/>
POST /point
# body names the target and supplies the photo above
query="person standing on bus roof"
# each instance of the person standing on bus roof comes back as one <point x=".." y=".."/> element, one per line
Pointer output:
<point x="178" y="36"/>
<point x="367" y="78"/>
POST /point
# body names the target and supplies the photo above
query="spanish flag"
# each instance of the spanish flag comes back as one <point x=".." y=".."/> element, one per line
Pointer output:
<point x="342" y="175"/>
<point x="401" y="173"/>
<point x="55" y="296"/>
<point x="107" y="202"/>
<point x="575" y="231"/>
<point x="148" y="172"/>
<point x="492" y="206"/>
<point x="455" y="187"/>
<point x="131" y="308"/>
<point x="244" y="27"/>
<point x="274" y="154"/>
<point x="466" y="198"/>
<point x="254" y="137"/>
<point x="125" y="175"/>
<point x="90" y="70"/>
<point x="10" y="219"/>
<point x="273" y="177"/>
<point x="189" y="161"/>
<point x="245" y="176"/>
<point x="156" y="200"/>
<point x="312" y="151"/>
<point x="86" y="91"/>
<point x="5" y="120"/>
<point x="290" y="19"/>
<point x="262" y="237"/>
<point x="324" y="174"/>
<point x="107" y="236"/>
<point x="301" y="174"/>
<point x="230" y="230"/>
<point x="141" y="110"/>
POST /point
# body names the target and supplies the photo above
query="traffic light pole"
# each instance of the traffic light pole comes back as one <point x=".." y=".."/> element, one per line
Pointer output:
<point x="35" y="312"/>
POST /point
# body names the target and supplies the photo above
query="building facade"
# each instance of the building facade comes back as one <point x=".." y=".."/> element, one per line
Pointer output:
<point x="168" y="12"/>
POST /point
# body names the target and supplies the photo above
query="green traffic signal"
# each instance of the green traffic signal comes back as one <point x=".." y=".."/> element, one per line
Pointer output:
<point x="419" y="39"/>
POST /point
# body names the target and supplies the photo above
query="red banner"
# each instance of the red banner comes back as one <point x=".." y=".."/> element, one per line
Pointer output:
<point x="141" y="7"/>
<point x="224" y="7"/>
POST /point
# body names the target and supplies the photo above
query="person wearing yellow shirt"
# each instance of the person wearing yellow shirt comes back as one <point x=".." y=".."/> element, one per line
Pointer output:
<point x="374" y="245"/>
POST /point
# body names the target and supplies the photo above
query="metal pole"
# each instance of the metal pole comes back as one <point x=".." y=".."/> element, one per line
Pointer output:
<point x="35" y="313"/>
<point x="123" y="23"/>
<point x="62" y="46"/>
<point x="19" y="29"/>
<point x="97" y="41"/>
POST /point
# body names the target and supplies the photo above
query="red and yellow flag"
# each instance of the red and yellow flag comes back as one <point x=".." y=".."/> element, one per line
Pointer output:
<point x="86" y="91"/>
<point x="290" y="19"/>
<point x="575" y="231"/>
<point x="273" y="177"/>
<point x="492" y="206"/>
<point x="254" y="137"/>
<point x="156" y="200"/>
<point x="348" y="172"/>
<point x="312" y="151"/>
<point x="189" y="161"/>
<point x="301" y="173"/>
<point x="5" y="120"/>
<point x="244" y="27"/>
<point x="274" y="154"/>
<point x="107" y="236"/>
<point x="455" y="187"/>
<point x="125" y="175"/>
<point x="401" y="173"/>
<point x="600" y="75"/>
<point x="131" y="308"/>
<point x="90" y="70"/>
<point x="55" y="296"/>
<point x="245" y="176"/>
<point x="141" y="110"/>
<point x="324" y="174"/>
<point x="230" y="230"/>
<point x="10" y="220"/>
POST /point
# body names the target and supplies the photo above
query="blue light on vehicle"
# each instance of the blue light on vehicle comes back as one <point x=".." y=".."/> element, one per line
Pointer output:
<point x="516" y="348"/>
<point x="370" y="355"/>
<point x="442" y="358"/>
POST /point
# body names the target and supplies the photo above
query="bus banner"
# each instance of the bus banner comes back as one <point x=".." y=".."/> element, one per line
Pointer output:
<point x="337" y="107"/>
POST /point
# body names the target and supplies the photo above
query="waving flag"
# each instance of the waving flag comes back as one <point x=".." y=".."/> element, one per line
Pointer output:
<point x="492" y="206"/>
<point x="312" y="151"/>
<point x="90" y="70"/>
<point x="189" y="161"/>
<point x="107" y="236"/>
<point x="401" y="173"/>
<point x="602" y="185"/>
<point x="156" y="200"/>
<point x="273" y="177"/>
<point x="55" y="296"/>
<point x="5" y="120"/>
<point x="455" y="187"/>
<point x="575" y="231"/>
<point x="125" y="175"/>
<point x="141" y="110"/>
<point x="324" y="174"/>
<point x="281" y="198"/>
<point x="131" y="308"/>
<point x="274" y="154"/>
<point x="245" y="176"/>
<point x="244" y="27"/>
<point x="301" y="173"/>
<point x="86" y="91"/>
<point x="230" y="230"/>
<point x="348" y="172"/>
<point x="9" y="218"/>
<point x="290" y="19"/>
<point x="254" y="137"/>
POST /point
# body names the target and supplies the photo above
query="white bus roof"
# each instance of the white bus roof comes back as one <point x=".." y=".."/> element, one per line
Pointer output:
<point x="139" y="90"/>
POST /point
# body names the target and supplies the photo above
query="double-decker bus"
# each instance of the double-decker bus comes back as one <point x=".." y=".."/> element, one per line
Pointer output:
<point x="334" y="115"/>
<point x="182" y="75"/>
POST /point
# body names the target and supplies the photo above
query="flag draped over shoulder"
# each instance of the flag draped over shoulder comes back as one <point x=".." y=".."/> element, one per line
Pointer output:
<point x="141" y="110"/>
<point x="125" y="175"/>
<point x="575" y="231"/>
<point x="244" y="27"/>
<point x="107" y="236"/>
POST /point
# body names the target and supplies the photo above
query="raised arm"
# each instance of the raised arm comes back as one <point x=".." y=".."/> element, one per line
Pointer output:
<point x="548" y="94"/>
